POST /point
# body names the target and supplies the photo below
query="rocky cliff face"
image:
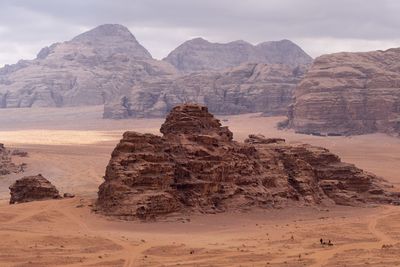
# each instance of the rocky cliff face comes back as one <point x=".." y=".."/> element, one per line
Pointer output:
<point x="199" y="54"/>
<point x="349" y="93"/>
<point x="247" y="88"/>
<point x="88" y="70"/>
<point x="197" y="167"/>
<point x="107" y="65"/>
<point x="7" y="166"/>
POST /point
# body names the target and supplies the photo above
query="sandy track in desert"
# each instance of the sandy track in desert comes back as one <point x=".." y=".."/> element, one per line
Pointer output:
<point x="72" y="147"/>
<point x="67" y="233"/>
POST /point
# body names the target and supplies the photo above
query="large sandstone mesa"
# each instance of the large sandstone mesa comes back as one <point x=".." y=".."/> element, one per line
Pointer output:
<point x="349" y="93"/>
<point x="87" y="70"/>
<point x="199" y="54"/>
<point x="32" y="188"/>
<point x="197" y="167"/>
<point x="7" y="166"/>
<point x="248" y="88"/>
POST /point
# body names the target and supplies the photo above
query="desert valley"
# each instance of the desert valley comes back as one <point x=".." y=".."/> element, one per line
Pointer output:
<point x="220" y="154"/>
<point x="74" y="158"/>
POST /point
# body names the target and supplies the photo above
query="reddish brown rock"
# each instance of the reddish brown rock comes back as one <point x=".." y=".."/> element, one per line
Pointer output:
<point x="32" y="188"/>
<point x="7" y="166"/>
<point x="68" y="195"/>
<point x="261" y="139"/>
<point x="19" y="153"/>
<point x="197" y="167"/>
<point x="194" y="119"/>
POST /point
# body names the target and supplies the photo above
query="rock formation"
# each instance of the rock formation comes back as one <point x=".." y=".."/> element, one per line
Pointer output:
<point x="7" y="166"/>
<point x="349" y="93"/>
<point x="32" y="188"/>
<point x="199" y="54"/>
<point x="88" y="70"/>
<point x="197" y="167"/>
<point x="247" y="88"/>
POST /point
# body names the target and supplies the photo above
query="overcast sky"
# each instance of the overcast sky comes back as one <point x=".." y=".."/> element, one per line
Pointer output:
<point x="318" y="26"/>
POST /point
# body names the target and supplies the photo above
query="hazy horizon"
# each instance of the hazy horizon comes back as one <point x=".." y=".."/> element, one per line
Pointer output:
<point x="318" y="27"/>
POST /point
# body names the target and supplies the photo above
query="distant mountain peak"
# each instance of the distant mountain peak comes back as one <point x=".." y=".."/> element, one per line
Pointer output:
<point x="279" y="42"/>
<point x="199" y="54"/>
<point x="114" y="36"/>
<point x="198" y="40"/>
<point x="242" y="42"/>
<point x="106" y="31"/>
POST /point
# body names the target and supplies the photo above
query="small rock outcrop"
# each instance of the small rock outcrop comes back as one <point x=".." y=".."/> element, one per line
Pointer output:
<point x="248" y="88"/>
<point x="200" y="55"/>
<point x="32" y="188"/>
<point x="7" y="166"/>
<point x="349" y="93"/>
<point x="197" y="167"/>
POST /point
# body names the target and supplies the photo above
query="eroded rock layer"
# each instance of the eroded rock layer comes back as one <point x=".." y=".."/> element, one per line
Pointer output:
<point x="7" y="166"/>
<point x="244" y="89"/>
<point x="197" y="167"/>
<point x="107" y="65"/>
<point x="349" y="93"/>
<point x="32" y="188"/>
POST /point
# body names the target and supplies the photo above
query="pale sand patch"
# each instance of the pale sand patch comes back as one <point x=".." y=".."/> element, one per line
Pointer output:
<point x="56" y="137"/>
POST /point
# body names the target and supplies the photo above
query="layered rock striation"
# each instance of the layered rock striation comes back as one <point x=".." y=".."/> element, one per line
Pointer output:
<point x="90" y="69"/>
<point x="32" y="188"/>
<point x="200" y="55"/>
<point x="349" y="93"/>
<point x="107" y="65"/>
<point x="248" y="88"/>
<point x="197" y="167"/>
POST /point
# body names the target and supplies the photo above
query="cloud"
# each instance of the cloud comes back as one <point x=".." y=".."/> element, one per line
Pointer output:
<point x="319" y="26"/>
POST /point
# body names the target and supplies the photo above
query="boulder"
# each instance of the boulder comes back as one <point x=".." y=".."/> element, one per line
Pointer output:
<point x="68" y="195"/>
<point x="32" y="188"/>
<point x="196" y="167"/>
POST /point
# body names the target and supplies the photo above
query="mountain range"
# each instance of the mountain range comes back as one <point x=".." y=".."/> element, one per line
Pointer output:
<point x="337" y="94"/>
<point x="199" y="54"/>
<point x="107" y="65"/>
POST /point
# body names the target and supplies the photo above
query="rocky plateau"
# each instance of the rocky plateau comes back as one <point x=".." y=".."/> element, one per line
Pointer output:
<point x="349" y="93"/>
